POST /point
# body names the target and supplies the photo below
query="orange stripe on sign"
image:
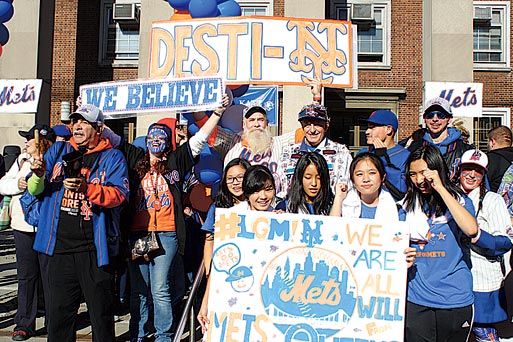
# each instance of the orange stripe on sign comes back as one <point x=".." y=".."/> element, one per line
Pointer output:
<point x="273" y="51"/>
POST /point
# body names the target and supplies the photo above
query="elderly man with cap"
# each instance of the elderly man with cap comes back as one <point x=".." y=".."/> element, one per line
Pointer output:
<point x="80" y="183"/>
<point x="382" y="126"/>
<point x="437" y="115"/>
<point x="314" y="123"/>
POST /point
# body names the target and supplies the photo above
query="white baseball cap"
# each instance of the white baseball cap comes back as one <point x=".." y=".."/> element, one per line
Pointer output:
<point x="438" y="103"/>
<point x="476" y="157"/>
<point x="90" y="113"/>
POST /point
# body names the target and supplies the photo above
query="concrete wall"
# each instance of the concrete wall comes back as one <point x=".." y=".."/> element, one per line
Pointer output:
<point x="294" y="98"/>
<point x="19" y="60"/>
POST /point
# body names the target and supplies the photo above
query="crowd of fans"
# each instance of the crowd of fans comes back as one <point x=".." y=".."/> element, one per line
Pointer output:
<point x="106" y="208"/>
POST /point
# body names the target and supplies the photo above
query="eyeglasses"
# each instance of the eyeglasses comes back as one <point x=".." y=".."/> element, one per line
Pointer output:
<point x="231" y="180"/>
<point x="468" y="173"/>
<point x="440" y="115"/>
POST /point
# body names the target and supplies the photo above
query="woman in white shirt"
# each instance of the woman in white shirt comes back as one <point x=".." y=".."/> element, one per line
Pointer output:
<point x="30" y="264"/>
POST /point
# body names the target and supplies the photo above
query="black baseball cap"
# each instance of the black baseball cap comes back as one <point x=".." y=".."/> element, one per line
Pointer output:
<point x="255" y="109"/>
<point x="45" y="131"/>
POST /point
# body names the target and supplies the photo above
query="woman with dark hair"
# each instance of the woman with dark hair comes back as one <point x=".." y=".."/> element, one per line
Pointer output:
<point x="367" y="173"/>
<point x="31" y="265"/>
<point x="487" y="248"/>
<point x="310" y="191"/>
<point x="258" y="189"/>
<point x="157" y="207"/>
<point x="230" y="193"/>
<point x="439" y="301"/>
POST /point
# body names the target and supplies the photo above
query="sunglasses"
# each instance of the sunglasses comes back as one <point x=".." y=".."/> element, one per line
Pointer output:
<point x="440" y="115"/>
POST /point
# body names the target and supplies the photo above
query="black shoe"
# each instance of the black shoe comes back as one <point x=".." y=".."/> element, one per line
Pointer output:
<point x="21" y="335"/>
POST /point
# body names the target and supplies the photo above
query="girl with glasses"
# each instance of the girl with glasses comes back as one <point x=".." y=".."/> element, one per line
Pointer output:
<point x="439" y="300"/>
<point x="230" y="193"/>
<point x="487" y="248"/>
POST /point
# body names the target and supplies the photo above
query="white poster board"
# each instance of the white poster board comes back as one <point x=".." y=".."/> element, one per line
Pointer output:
<point x="466" y="99"/>
<point x="19" y="96"/>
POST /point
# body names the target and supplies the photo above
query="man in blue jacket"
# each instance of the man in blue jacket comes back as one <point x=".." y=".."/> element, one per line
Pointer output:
<point x="81" y="183"/>
<point x="382" y="126"/>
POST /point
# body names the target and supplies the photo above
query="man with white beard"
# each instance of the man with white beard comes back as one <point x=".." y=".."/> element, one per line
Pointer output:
<point x="256" y="143"/>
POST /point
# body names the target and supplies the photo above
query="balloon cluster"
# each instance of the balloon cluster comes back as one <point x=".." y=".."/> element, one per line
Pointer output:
<point x="6" y="13"/>
<point x="206" y="8"/>
<point x="209" y="169"/>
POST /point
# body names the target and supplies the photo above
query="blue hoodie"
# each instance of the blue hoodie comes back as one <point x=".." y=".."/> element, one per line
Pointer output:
<point x="454" y="134"/>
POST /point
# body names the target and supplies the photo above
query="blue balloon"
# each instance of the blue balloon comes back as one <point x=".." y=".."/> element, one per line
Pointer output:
<point x="209" y="168"/>
<point x="181" y="5"/>
<point x="232" y="118"/>
<point x="4" y="35"/>
<point x="203" y="8"/>
<point x="6" y="11"/>
<point x="193" y="129"/>
<point x="238" y="92"/>
<point x="229" y="9"/>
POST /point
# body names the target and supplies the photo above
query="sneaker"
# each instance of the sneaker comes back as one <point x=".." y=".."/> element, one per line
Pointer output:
<point x="20" y="335"/>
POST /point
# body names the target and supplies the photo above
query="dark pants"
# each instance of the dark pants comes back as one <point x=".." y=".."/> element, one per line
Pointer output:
<point x="70" y="276"/>
<point x="31" y="269"/>
<point x="437" y="325"/>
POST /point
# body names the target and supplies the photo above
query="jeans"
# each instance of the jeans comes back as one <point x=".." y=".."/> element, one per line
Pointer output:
<point x="154" y="276"/>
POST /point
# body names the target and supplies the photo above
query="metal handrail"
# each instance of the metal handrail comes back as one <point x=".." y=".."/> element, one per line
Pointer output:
<point x="189" y="307"/>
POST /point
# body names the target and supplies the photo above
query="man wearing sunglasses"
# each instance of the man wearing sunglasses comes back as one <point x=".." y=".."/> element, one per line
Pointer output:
<point x="437" y="116"/>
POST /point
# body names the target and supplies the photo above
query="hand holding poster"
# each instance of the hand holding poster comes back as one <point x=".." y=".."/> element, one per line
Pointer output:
<point x="284" y="277"/>
<point x="190" y="94"/>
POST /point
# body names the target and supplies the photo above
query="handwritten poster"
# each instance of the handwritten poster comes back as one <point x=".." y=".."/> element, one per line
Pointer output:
<point x="283" y="277"/>
<point x="19" y="96"/>
<point x="255" y="50"/>
<point x="191" y="94"/>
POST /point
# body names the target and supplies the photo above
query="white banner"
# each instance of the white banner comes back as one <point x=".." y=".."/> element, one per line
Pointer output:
<point x="19" y="96"/>
<point x="285" y="277"/>
<point x="255" y="50"/>
<point x="466" y="99"/>
<point x="128" y="98"/>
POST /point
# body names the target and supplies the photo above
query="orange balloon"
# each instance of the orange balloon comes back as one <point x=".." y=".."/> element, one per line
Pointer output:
<point x="181" y="15"/>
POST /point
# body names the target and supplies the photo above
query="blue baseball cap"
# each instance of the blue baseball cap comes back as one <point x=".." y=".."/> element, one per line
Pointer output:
<point x="383" y="117"/>
<point x="62" y="131"/>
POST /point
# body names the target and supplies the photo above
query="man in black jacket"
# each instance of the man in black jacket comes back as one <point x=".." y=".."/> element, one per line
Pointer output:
<point x="437" y="116"/>
<point x="500" y="155"/>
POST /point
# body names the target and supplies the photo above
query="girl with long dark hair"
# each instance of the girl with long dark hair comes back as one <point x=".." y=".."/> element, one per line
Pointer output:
<point x="310" y="191"/>
<point x="440" y="298"/>
<point x="230" y="193"/>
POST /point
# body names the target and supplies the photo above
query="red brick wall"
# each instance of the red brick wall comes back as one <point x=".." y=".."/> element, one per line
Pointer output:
<point x="279" y="8"/>
<point x="497" y="85"/>
<point x="76" y="49"/>
<point x="406" y="63"/>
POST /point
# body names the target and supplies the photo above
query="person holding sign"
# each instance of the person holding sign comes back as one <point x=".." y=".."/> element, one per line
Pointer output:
<point x="157" y="212"/>
<point x="230" y="193"/>
<point x="487" y="248"/>
<point x="439" y="302"/>
<point x="310" y="191"/>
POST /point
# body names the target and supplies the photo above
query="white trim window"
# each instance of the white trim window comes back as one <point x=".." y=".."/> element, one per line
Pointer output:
<point x="491" y="35"/>
<point x="119" y="39"/>
<point x="373" y="34"/>
<point x="492" y="117"/>
<point x="256" y="7"/>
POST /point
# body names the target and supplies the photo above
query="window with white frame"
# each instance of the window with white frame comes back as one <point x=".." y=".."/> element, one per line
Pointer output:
<point x="119" y="38"/>
<point x="491" y="118"/>
<point x="373" y="34"/>
<point x="491" y="34"/>
<point x="256" y="7"/>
